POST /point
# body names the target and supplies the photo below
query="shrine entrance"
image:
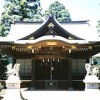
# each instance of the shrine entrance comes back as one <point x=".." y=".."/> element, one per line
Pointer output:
<point x="51" y="73"/>
<point x="51" y="66"/>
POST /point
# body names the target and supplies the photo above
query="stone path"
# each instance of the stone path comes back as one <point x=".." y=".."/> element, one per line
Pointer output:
<point x="12" y="94"/>
<point x="2" y="93"/>
<point x="59" y="95"/>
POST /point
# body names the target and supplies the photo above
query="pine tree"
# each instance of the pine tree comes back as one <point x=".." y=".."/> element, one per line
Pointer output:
<point x="59" y="10"/>
<point x="19" y="10"/>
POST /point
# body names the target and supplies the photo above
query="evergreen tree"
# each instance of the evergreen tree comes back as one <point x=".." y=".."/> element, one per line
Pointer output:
<point x="3" y="63"/>
<point x="59" y="11"/>
<point x="19" y="10"/>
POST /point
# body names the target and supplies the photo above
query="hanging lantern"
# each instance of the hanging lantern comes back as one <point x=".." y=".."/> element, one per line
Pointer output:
<point x="33" y="50"/>
<point x="48" y="60"/>
<point x="69" y="51"/>
<point x="58" y="60"/>
<point x="53" y="59"/>
<point x="43" y="60"/>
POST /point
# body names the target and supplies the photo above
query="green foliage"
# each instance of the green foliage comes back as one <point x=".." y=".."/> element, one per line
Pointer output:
<point x="59" y="11"/>
<point x="94" y="61"/>
<point x="19" y="10"/>
<point x="1" y="86"/>
<point x="3" y="63"/>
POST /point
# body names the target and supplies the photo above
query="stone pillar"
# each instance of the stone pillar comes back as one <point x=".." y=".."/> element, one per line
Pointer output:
<point x="69" y="74"/>
<point x="33" y="74"/>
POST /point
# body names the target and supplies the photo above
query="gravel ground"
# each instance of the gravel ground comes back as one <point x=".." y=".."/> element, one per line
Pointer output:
<point x="58" y="95"/>
<point x="61" y="95"/>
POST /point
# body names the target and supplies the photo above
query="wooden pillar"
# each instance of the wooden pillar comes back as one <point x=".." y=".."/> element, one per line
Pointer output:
<point x="87" y="60"/>
<point x="69" y="75"/>
<point x="33" y="74"/>
<point x="14" y="60"/>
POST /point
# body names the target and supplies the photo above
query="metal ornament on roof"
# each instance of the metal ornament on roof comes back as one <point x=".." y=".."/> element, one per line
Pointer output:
<point x="51" y="25"/>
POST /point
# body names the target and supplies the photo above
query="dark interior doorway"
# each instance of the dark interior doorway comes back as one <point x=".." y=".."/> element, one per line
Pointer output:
<point x="51" y="73"/>
<point x="51" y="69"/>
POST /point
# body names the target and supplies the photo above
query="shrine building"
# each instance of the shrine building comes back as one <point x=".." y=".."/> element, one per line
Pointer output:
<point x="51" y="54"/>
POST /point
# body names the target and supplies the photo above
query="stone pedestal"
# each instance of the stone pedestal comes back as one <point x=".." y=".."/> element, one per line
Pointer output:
<point x="13" y="88"/>
<point x="11" y="85"/>
<point x="13" y="82"/>
<point x="91" y="82"/>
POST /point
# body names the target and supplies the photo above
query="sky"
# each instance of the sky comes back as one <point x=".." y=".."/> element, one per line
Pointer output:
<point x="79" y="9"/>
<point x="1" y="6"/>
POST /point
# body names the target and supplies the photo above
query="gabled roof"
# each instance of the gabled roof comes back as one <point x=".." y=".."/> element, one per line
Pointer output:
<point x="76" y="30"/>
<point x="51" y="27"/>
